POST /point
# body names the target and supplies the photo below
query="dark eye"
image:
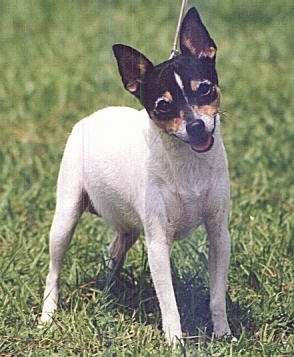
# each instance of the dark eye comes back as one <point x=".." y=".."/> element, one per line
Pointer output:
<point x="162" y="106"/>
<point x="205" y="93"/>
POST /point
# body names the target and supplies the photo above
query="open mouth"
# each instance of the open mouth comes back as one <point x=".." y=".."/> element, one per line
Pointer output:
<point x="204" y="144"/>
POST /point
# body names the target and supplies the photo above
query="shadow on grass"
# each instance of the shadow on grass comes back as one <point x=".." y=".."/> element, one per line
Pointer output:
<point x="134" y="295"/>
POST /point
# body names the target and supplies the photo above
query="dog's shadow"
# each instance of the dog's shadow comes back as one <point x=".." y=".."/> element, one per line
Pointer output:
<point x="133" y="293"/>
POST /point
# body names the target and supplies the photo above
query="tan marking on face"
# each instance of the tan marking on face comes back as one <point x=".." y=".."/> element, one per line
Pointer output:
<point x="168" y="96"/>
<point x="212" y="108"/>
<point x="174" y="124"/>
<point x="194" y="84"/>
<point x="169" y="126"/>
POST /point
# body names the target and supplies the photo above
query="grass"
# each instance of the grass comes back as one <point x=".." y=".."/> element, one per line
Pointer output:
<point x="56" y="66"/>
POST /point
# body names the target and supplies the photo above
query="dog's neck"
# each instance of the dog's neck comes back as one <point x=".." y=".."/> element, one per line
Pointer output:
<point x="175" y="156"/>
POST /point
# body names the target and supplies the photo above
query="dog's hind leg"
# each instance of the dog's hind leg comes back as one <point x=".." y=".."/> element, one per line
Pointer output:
<point x="70" y="203"/>
<point x="119" y="247"/>
<point x="62" y="229"/>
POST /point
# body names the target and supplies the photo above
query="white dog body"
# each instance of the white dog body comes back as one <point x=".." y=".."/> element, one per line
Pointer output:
<point x="138" y="177"/>
<point x="130" y="175"/>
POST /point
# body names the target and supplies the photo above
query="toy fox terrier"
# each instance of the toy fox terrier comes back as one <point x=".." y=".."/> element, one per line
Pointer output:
<point x="162" y="169"/>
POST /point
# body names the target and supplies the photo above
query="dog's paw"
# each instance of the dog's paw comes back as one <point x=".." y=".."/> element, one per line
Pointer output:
<point x="175" y="342"/>
<point x="42" y="324"/>
<point x="233" y="339"/>
<point x="228" y="337"/>
<point x="44" y="319"/>
<point x="174" y="339"/>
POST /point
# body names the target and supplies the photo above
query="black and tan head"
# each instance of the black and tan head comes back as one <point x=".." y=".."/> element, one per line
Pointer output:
<point x="181" y="95"/>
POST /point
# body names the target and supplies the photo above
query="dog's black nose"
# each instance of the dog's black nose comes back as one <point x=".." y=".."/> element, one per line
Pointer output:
<point x="196" y="129"/>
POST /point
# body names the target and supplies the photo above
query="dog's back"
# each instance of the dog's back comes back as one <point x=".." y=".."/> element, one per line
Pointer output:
<point x="110" y="150"/>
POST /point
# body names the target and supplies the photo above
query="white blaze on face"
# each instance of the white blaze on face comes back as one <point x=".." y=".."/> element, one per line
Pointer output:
<point x="181" y="85"/>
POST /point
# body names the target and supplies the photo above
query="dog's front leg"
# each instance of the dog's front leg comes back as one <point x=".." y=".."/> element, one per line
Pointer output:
<point x="219" y="256"/>
<point x="159" y="261"/>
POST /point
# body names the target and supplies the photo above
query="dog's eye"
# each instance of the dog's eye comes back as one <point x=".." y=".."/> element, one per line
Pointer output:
<point x="205" y="93"/>
<point x="162" y="106"/>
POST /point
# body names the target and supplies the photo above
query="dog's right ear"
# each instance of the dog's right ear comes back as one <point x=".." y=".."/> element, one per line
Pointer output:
<point x="132" y="66"/>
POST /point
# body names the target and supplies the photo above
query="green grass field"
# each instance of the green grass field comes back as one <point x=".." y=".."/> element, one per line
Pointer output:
<point x="56" y="66"/>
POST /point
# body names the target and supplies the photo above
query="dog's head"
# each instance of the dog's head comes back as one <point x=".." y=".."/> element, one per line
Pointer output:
<point x="181" y="95"/>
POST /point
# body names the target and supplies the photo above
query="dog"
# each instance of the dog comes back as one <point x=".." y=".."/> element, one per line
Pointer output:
<point x="162" y="170"/>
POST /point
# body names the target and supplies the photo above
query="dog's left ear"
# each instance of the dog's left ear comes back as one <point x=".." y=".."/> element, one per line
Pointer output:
<point x="132" y="66"/>
<point x="194" y="37"/>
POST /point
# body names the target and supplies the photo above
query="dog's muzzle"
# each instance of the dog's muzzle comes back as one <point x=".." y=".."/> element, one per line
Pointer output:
<point x="200" y="139"/>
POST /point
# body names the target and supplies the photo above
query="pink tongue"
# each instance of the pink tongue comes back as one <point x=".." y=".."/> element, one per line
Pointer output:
<point x="203" y="146"/>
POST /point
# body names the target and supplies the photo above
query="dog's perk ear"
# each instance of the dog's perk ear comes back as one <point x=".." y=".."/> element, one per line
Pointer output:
<point x="132" y="66"/>
<point x="194" y="37"/>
